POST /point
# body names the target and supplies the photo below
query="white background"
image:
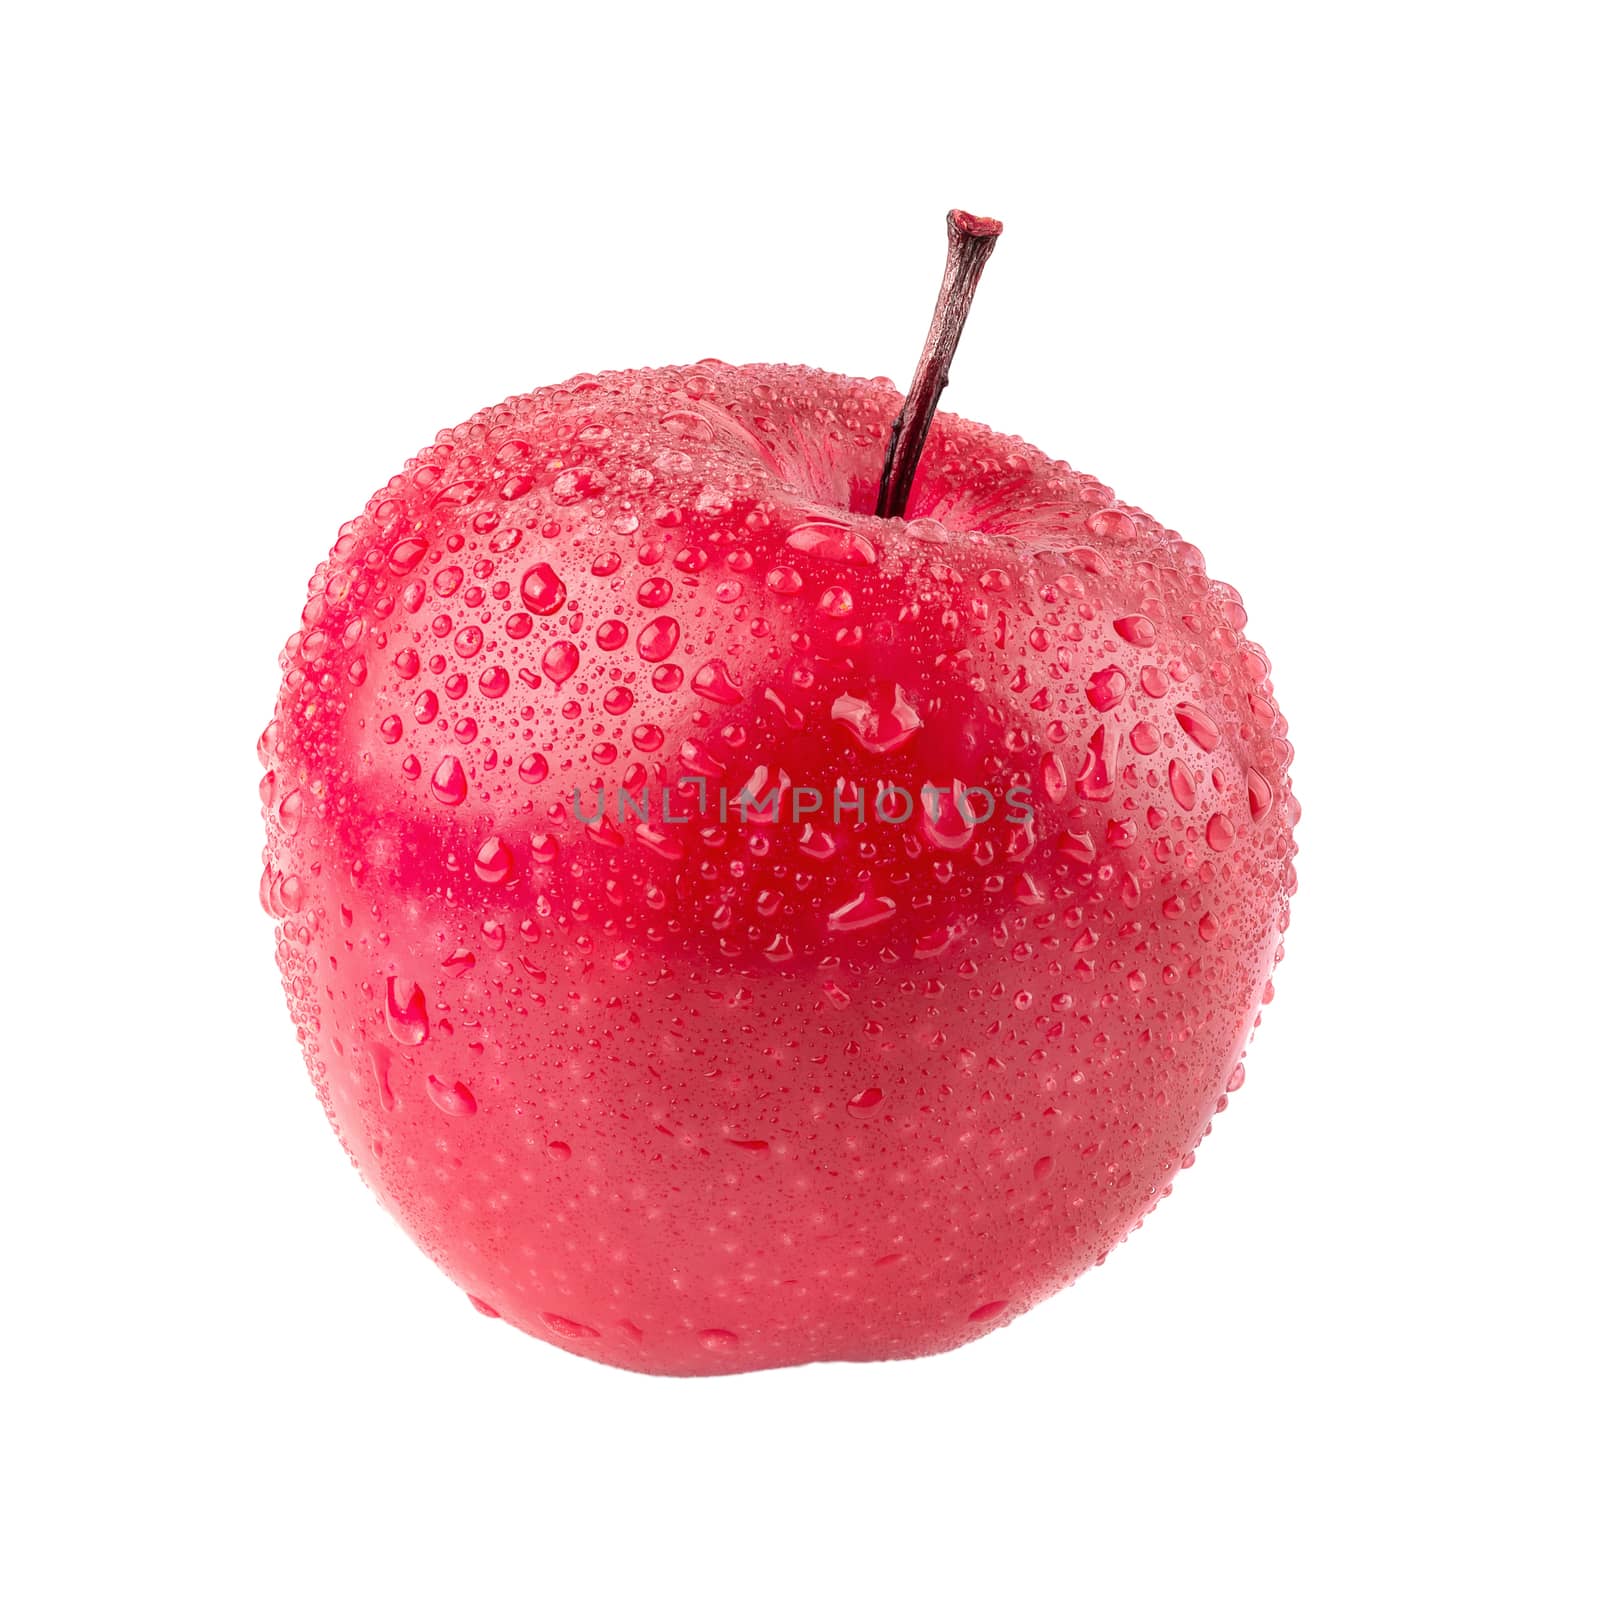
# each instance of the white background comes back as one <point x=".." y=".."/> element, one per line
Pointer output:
<point x="1313" y="285"/>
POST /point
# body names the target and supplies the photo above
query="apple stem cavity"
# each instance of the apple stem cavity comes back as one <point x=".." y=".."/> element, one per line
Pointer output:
<point x="972" y="242"/>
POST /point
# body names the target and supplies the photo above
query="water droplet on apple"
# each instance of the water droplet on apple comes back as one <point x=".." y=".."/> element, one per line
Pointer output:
<point x="381" y="1066"/>
<point x="1053" y="778"/>
<point x="1106" y="688"/>
<point x="404" y="554"/>
<point x="454" y="1099"/>
<point x="1198" y="726"/>
<point x="494" y="862"/>
<point x="1097" y="777"/>
<point x="817" y="843"/>
<point x="658" y="639"/>
<point x="406" y="1011"/>
<point x="291" y="812"/>
<point x="1181" y="781"/>
<point x="949" y="819"/>
<point x="543" y="593"/>
<point x="834" y="541"/>
<point x="566" y="1328"/>
<point x="866" y="910"/>
<point x="712" y="682"/>
<point x="449" y="782"/>
<point x="883" y="723"/>
<point x="1260" y="793"/>
<point x="560" y="661"/>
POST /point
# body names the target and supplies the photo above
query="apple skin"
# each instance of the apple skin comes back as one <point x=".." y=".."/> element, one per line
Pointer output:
<point x="714" y="1096"/>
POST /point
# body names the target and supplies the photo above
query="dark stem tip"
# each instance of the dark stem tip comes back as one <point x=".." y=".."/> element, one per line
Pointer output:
<point x="963" y="222"/>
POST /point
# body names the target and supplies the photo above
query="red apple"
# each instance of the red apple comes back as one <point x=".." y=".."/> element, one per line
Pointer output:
<point x="861" y="1069"/>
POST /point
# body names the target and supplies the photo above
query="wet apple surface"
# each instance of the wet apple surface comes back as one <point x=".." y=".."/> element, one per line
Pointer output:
<point x="728" y="928"/>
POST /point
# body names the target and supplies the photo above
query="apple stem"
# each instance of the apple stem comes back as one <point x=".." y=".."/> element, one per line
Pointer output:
<point x="972" y="241"/>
